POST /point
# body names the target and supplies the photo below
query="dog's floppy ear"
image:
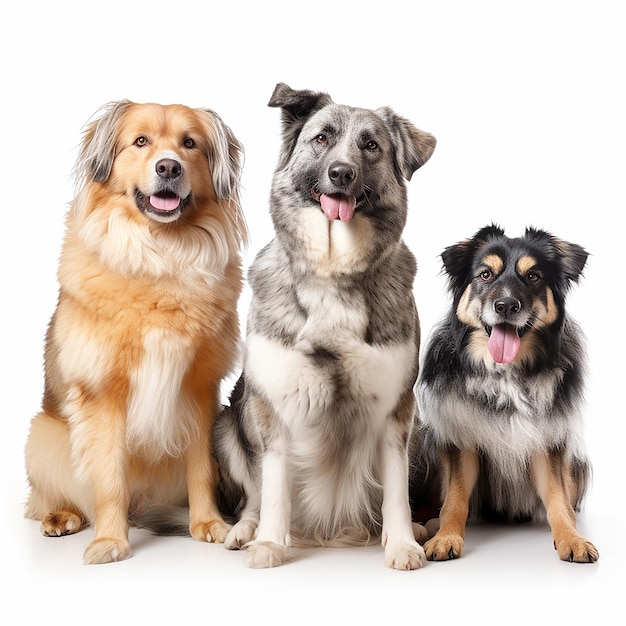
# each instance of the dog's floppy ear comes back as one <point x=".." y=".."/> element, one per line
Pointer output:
<point x="574" y="258"/>
<point x="97" y="150"/>
<point x="225" y="156"/>
<point x="458" y="258"/>
<point x="297" y="106"/>
<point x="571" y="257"/>
<point x="413" y="146"/>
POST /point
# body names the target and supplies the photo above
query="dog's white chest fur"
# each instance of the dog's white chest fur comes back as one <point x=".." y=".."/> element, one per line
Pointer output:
<point x="328" y="358"/>
<point x="299" y="388"/>
<point x="334" y="247"/>
<point x="512" y="430"/>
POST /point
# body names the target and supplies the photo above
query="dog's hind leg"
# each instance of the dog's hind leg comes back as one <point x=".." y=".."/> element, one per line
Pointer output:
<point x="551" y="475"/>
<point x="460" y="472"/>
<point x="56" y="499"/>
<point x="244" y="530"/>
<point x="238" y="460"/>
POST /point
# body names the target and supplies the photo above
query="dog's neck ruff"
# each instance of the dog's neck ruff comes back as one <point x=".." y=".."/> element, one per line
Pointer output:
<point x="331" y="248"/>
<point x="145" y="247"/>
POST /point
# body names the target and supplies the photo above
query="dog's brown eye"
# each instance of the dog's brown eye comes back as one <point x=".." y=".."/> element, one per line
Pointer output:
<point x="485" y="275"/>
<point x="189" y="143"/>
<point x="371" y="145"/>
<point x="141" y="141"/>
<point x="533" y="277"/>
<point x="321" y="138"/>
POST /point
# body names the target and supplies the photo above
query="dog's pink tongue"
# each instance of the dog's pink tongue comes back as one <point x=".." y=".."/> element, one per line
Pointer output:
<point x="338" y="206"/>
<point x="165" y="203"/>
<point x="503" y="343"/>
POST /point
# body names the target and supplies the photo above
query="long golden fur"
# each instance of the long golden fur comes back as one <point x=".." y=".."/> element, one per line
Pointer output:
<point x="145" y="328"/>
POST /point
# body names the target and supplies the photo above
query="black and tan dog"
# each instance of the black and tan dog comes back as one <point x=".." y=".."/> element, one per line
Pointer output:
<point x="501" y="390"/>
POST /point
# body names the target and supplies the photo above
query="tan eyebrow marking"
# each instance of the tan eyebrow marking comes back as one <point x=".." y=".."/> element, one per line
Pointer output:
<point x="525" y="264"/>
<point x="494" y="263"/>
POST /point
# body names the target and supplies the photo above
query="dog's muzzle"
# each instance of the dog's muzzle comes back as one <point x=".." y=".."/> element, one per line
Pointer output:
<point x="165" y="204"/>
<point x="504" y="336"/>
<point x="336" y="194"/>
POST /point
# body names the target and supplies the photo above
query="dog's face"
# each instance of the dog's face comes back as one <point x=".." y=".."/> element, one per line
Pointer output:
<point x="166" y="159"/>
<point x="510" y="293"/>
<point x="344" y="163"/>
<point x="162" y="156"/>
<point x="159" y="191"/>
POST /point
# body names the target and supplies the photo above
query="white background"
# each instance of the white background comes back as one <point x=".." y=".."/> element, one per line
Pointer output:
<point x="527" y="103"/>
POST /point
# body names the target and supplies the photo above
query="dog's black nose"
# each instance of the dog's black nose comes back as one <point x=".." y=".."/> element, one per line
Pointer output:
<point x="507" y="306"/>
<point x="168" y="168"/>
<point x="341" y="174"/>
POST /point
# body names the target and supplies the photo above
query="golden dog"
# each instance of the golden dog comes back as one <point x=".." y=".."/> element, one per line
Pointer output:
<point x="145" y="329"/>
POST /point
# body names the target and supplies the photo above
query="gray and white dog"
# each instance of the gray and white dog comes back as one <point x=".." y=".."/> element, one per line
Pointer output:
<point x="313" y="447"/>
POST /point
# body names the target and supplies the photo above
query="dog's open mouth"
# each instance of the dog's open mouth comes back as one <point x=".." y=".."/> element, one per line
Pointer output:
<point x="337" y="206"/>
<point x="504" y="343"/>
<point x="164" y="206"/>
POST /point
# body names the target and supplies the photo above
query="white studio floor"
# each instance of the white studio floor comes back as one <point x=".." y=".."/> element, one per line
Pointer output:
<point x="508" y="574"/>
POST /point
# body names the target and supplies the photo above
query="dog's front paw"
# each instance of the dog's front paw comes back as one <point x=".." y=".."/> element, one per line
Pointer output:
<point x="404" y="556"/>
<point x="266" y="554"/>
<point x="106" y="550"/>
<point x="444" y="547"/>
<point x="577" y="550"/>
<point x="213" y="531"/>
<point x="61" y="523"/>
<point x="240" y="534"/>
